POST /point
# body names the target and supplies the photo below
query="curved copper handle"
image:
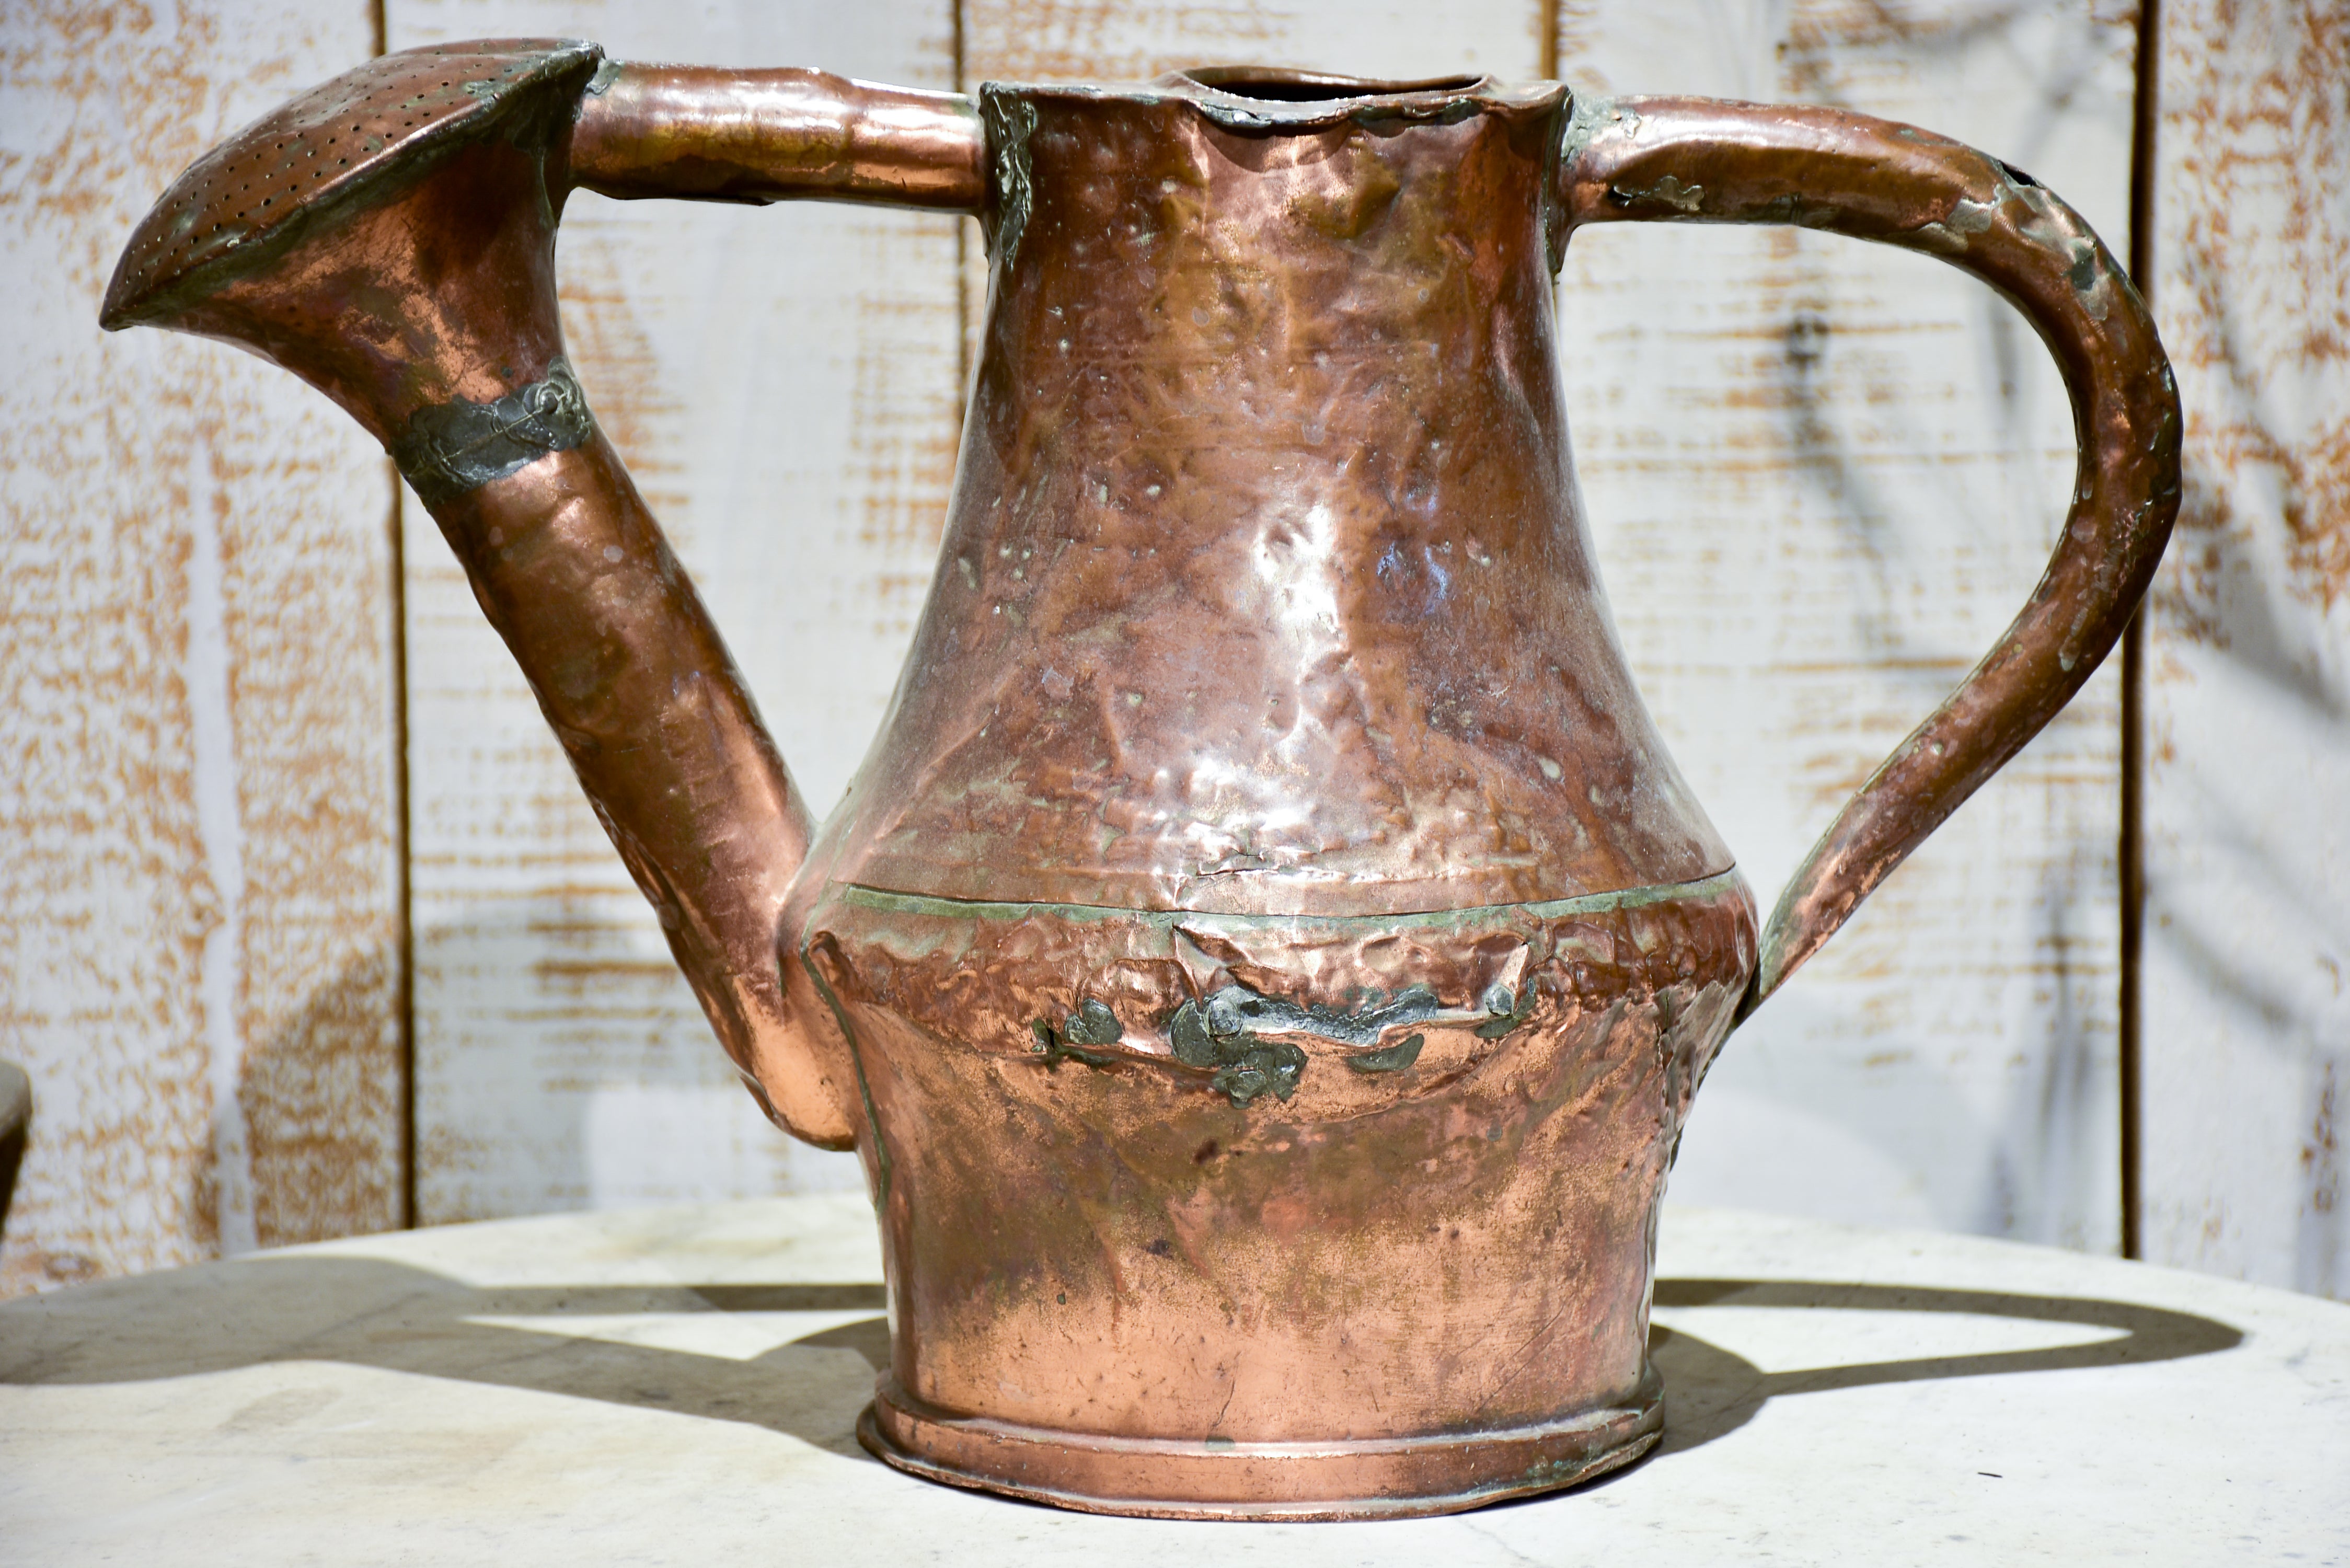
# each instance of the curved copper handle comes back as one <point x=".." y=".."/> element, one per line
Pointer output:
<point x="1706" y="160"/>
<point x="718" y="134"/>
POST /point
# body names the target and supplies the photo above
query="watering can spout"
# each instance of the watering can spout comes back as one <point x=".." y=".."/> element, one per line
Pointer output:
<point x="389" y="238"/>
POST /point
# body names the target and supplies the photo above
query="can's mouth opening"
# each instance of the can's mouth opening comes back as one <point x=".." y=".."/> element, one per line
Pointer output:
<point x="1273" y="85"/>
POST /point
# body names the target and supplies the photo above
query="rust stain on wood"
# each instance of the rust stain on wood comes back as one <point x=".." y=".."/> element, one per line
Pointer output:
<point x="619" y="363"/>
<point x="905" y="427"/>
<point x="2255" y="291"/>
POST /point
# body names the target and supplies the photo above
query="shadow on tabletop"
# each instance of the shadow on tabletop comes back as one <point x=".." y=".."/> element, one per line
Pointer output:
<point x="367" y="1312"/>
<point x="1710" y="1393"/>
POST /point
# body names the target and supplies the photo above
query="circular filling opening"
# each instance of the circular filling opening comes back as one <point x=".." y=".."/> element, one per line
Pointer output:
<point x="1282" y="86"/>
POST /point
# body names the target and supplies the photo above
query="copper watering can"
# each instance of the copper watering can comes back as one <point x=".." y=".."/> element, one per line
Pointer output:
<point x="1266" y="957"/>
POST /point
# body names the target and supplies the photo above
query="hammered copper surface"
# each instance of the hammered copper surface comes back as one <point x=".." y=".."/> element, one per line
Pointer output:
<point x="1264" y="587"/>
<point x="1266" y="959"/>
<point x="1129" y="1193"/>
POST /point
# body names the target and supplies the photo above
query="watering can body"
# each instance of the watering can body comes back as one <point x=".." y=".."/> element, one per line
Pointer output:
<point x="1266" y="957"/>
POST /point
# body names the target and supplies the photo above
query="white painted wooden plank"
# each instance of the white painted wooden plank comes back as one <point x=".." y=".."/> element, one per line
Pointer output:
<point x="2247" y="1032"/>
<point x="1135" y="40"/>
<point x="199" y="957"/>
<point x="783" y="383"/>
<point x="1822" y="475"/>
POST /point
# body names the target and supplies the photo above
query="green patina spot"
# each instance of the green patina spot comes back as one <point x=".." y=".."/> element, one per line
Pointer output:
<point x="1056" y="1046"/>
<point x="1093" y="1024"/>
<point x="1228" y="1034"/>
<point x="1394" y="1059"/>
<point x="2084" y="270"/>
<point x="1233" y="1034"/>
<point x="1507" y="1012"/>
<point x="1273" y="1066"/>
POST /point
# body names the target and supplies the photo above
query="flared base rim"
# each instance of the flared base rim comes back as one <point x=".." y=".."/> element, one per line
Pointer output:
<point x="1154" y="1478"/>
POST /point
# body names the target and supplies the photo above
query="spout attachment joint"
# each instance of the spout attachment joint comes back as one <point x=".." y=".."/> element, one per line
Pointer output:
<point x="448" y="449"/>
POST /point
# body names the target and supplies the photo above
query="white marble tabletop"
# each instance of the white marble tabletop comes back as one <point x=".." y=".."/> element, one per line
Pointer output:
<point x="681" y="1384"/>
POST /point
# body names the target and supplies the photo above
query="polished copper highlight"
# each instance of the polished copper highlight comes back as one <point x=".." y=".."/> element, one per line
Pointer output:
<point x="711" y="134"/>
<point x="1266" y="960"/>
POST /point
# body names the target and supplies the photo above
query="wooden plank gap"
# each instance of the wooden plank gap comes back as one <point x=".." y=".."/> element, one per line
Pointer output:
<point x="2145" y="116"/>
<point x="403" y="946"/>
<point x="402" y="826"/>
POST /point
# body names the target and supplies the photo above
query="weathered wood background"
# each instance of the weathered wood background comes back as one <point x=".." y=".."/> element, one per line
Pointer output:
<point x="200" y="953"/>
<point x="306" y="931"/>
<point x="2247" y="1038"/>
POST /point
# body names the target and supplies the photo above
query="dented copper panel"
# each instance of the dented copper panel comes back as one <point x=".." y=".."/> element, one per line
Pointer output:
<point x="1114" y="1241"/>
<point x="1267" y="956"/>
